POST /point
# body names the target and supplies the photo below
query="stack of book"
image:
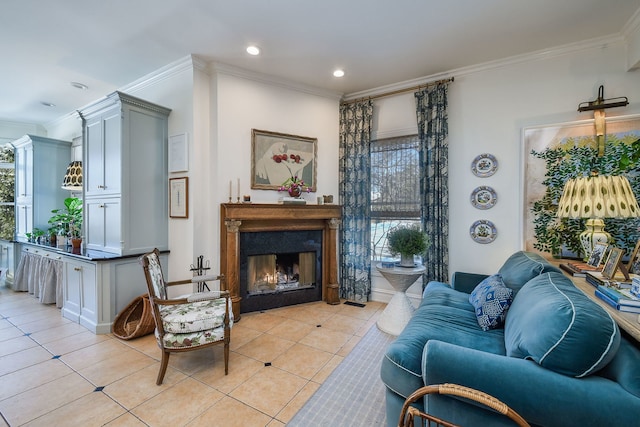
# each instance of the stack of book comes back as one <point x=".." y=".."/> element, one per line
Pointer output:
<point x="578" y="269"/>
<point x="595" y="279"/>
<point x="635" y="288"/>
<point x="620" y="299"/>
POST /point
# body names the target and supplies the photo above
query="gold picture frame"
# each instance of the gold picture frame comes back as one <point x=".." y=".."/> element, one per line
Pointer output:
<point x="633" y="266"/>
<point x="269" y="173"/>
<point x="179" y="197"/>
<point x="612" y="263"/>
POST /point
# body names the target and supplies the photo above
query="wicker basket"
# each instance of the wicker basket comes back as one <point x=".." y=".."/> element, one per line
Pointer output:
<point x="135" y="320"/>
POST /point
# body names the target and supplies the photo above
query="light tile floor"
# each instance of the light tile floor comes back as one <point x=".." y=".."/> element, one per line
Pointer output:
<point x="55" y="372"/>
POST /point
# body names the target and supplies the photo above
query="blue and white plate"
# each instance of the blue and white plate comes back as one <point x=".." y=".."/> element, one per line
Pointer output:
<point x="484" y="197"/>
<point x="483" y="231"/>
<point x="484" y="165"/>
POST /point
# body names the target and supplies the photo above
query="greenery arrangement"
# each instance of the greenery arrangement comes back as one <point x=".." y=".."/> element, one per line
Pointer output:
<point x="7" y="179"/>
<point x="407" y="241"/>
<point x="68" y="221"/>
<point x="577" y="157"/>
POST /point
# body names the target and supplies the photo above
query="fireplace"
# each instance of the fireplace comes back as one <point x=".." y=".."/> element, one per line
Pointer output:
<point x="316" y="246"/>
<point x="280" y="268"/>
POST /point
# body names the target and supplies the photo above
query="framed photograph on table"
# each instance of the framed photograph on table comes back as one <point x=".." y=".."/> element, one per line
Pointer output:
<point x="277" y="157"/>
<point x="633" y="266"/>
<point x="179" y="197"/>
<point x="610" y="267"/>
<point x="597" y="254"/>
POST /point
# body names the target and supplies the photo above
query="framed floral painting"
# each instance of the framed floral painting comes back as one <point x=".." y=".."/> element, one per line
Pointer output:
<point x="278" y="158"/>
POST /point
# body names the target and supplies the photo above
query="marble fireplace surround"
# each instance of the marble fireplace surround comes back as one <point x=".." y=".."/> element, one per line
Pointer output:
<point x="236" y="218"/>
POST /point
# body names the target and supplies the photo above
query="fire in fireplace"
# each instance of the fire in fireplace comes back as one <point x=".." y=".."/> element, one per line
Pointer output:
<point x="279" y="272"/>
<point x="279" y="268"/>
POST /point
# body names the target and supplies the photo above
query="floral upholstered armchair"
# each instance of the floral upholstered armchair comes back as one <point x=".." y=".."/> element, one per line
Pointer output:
<point x="189" y="322"/>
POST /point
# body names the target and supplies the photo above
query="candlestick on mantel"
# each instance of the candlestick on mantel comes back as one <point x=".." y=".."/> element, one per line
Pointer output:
<point x="230" y="191"/>
<point x="238" y="189"/>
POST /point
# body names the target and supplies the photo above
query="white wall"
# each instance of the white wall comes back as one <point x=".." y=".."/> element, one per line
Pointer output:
<point x="488" y="108"/>
<point x="244" y="105"/>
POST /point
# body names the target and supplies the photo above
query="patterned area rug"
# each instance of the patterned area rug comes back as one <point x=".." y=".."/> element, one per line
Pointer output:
<point x="353" y="395"/>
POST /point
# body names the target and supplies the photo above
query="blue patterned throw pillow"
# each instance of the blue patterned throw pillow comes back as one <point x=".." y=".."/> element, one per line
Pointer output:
<point x="491" y="300"/>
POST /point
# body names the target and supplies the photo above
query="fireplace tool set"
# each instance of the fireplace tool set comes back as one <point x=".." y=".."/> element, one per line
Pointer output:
<point x="200" y="270"/>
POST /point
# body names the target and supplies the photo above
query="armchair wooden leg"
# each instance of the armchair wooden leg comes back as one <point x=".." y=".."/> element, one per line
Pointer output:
<point x="226" y="356"/>
<point x="163" y="366"/>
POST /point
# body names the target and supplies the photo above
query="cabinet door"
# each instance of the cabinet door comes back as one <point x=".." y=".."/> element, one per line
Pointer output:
<point x="80" y="293"/>
<point x="102" y="158"/>
<point x="71" y="291"/>
<point x="93" y="169"/>
<point x="102" y="224"/>
<point x="112" y="151"/>
<point x="24" y="174"/>
<point x="24" y="220"/>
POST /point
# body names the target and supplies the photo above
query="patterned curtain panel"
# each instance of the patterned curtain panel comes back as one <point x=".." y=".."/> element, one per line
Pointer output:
<point x="355" y="197"/>
<point x="431" y="104"/>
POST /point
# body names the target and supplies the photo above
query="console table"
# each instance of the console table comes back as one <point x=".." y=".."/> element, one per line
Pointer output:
<point x="399" y="310"/>
<point x="626" y="321"/>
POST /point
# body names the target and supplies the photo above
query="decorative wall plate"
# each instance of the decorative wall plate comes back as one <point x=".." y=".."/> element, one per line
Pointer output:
<point x="483" y="231"/>
<point x="484" y="197"/>
<point x="484" y="165"/>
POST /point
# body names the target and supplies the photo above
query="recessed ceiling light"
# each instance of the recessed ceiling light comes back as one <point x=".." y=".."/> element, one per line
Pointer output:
<point x="253" y="50"/>
<point x="48" y="104"/>
<point x="338" y="73"/>
<point x="79" y="85"/>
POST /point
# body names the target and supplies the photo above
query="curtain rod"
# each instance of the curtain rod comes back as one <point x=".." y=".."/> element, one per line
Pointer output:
<point x="396" y="92"/>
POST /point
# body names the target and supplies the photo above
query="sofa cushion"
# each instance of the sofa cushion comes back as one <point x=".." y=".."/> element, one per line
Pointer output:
<point x="523" y="266"/>
<point x="445" y="315"/>
<point x="491" y="300"/>
<point x="553" y="323"/>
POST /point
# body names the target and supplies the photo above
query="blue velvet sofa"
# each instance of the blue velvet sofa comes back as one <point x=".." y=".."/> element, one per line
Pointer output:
<point x="558" y="360"/>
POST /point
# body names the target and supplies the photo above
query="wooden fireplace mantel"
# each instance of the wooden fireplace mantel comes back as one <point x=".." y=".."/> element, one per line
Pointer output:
<point x="240" y="217"/>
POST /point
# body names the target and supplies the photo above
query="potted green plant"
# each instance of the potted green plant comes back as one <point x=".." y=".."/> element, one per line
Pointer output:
<point x="407" y="241"/>
<point x="68" y="221"/>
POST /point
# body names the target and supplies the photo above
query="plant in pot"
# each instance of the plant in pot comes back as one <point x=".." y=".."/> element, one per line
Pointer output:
<point x="407" y="241"/>
<point x="75" y="234"/>
<point x="63" y="219"/>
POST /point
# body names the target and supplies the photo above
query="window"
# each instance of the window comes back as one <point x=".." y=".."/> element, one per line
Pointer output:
<point x="7" y="180"/>
<point x="395" y="188"/>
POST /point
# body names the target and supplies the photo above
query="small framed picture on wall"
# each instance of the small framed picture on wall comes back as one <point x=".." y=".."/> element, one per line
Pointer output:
<point x="179" y="197"/>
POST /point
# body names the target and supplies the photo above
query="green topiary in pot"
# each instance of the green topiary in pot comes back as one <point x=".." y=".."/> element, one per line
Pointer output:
<point x="407" y="241"/>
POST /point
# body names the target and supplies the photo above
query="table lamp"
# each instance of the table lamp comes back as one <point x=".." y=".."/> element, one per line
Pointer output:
<point x="72" y="180"/>
<point x="594" y="198"/>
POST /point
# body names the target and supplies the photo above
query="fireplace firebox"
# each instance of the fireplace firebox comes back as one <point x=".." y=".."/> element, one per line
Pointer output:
<point x="280" y="268"/>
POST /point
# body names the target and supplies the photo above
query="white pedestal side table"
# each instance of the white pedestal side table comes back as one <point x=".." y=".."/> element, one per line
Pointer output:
<point x="399" y="310"/>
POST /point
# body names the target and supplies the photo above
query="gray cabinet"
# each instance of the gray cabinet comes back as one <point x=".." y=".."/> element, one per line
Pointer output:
<point x="81" y="293"/>
<point x="125" y="163"/>
<point x="95" y="291"/>
<point x="40" y="167"/>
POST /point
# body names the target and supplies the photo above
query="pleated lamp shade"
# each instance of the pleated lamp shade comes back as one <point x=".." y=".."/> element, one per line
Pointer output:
<point x="598" y="197"/>
<point x="73" y="178"/>
<point x="595" y="198"/>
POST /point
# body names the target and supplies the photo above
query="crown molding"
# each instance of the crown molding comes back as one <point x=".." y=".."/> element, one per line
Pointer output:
<point x="186" y="63"/>
<point x="632" y="26"/>
<point x="230" y="70"/>
<point x="597" y="43"/>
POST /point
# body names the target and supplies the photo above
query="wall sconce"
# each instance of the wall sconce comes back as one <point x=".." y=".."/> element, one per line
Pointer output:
<point x="73" y="177"/>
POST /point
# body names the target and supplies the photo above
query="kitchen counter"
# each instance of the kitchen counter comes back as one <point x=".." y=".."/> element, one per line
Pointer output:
<point x="82" y="253"/>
